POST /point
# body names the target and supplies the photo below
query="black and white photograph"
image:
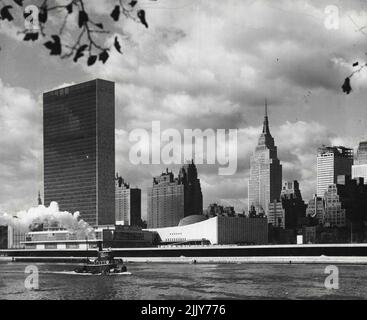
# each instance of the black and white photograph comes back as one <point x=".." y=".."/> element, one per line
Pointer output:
<point x="183" y="150"/>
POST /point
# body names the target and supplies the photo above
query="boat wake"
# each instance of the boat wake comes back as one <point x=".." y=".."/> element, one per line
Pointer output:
<point x="88" y="274"/>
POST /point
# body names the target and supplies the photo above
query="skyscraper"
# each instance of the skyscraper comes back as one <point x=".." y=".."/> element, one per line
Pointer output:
<point x="165" y="201"/>
<point x="359" y="169"/>
<point x="362" y="153"/>
<point x="288" y="212"/>
<point x="193" y="200"/>
<point x="331" y="162"/>
<point x="127" y="203"/>
<point x="170" y="199"/>
<point x="316" y="208"/>
<point x="276" y="214"/>
<point x="3" y="237"/>
<point x="335" y="213"/>
<point x="79" y="150"/>
<point x="293" y="205"/>
<point x="265" y="171"/>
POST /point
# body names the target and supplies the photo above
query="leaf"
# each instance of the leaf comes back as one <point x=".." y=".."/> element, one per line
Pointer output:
<point x="19" y="2"/>
<point x="83" y="18"/>
<point x="103" y="56"/>
<point x="115" y="14"/>
<point x="99" y="25"/>
<point x="346" y="86"/>
<point x="54" y="46"/>
<point x="31" y="36"/>
<point x="117" y="45"/>
<point x="141" y="16"/>
<point x="5" y="14"/>
<point x="43" y="15"/>
<point x="132" y="3"/>
<point x="79" y="53"/>
<point x="69" y="7"/>
<point x="91" y="60"/>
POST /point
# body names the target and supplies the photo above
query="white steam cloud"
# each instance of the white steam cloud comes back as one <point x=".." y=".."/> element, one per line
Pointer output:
<point x="50" y="215"/>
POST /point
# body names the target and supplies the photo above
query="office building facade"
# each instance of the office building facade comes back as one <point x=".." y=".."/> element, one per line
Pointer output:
<point x="265" y="181"/>
<point x="359" y="169"/>
<point x="4" y="237"/>
<point x="79" y="150"/>
<point x="315" y="209"/>
<point x="334" y="213"/>
<point x="165" y="201"/>
<point x="293" y="205"/>
<point x="331" y="162"/>
<point x="276" y="214"/>
<point x="353" y="196"/>
<point x="193" y="197"/>
<point x="127" y="203"/>
<point x="170" y="199"/>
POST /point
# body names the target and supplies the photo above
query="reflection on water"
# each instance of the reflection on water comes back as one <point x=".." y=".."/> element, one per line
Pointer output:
<point x="186" y="281"/>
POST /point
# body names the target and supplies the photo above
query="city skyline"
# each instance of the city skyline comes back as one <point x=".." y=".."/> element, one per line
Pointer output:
<point x="265" y="195"/>
<point x="177" y="84"/>
<point x="264" y="139"/>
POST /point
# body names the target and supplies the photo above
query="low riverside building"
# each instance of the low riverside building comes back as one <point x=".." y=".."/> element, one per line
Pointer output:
<point x="216" y="230"/>
<point x="109" y="236"/>
<point x="129" y="237"/>
<point x="58" y="240"/>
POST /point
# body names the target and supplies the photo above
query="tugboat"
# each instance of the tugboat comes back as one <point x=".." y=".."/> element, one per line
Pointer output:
<point x="104" y="264"/>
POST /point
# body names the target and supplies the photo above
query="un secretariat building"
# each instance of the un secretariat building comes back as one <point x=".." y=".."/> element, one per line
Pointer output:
<point x="79" y="150"/>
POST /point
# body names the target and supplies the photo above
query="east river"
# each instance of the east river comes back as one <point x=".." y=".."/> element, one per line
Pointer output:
<point x="186" y="281"/>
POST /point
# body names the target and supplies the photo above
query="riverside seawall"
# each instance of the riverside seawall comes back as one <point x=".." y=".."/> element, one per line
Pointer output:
<point x="313" y="253"/>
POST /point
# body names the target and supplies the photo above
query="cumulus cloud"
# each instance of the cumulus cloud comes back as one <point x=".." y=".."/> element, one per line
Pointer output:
<point x="21" y="148"/>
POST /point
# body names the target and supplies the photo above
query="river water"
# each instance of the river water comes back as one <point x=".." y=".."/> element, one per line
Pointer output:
<point x="186" y="281"/>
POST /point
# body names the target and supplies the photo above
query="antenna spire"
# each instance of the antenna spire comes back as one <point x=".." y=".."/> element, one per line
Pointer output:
<point x="39" y="198"/>
<point x="266" y="121"/>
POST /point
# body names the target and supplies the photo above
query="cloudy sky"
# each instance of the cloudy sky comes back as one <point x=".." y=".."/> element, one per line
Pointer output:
<point x="200" y="64"/>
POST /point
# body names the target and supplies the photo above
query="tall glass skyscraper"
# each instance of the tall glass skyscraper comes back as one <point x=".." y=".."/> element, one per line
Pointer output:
<point x="79" y="150"/>
<point x="265" y="182"/>
<point x="332" y="162"/>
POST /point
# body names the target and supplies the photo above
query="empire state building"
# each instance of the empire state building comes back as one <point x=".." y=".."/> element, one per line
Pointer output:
<point x="265" y="182"/>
